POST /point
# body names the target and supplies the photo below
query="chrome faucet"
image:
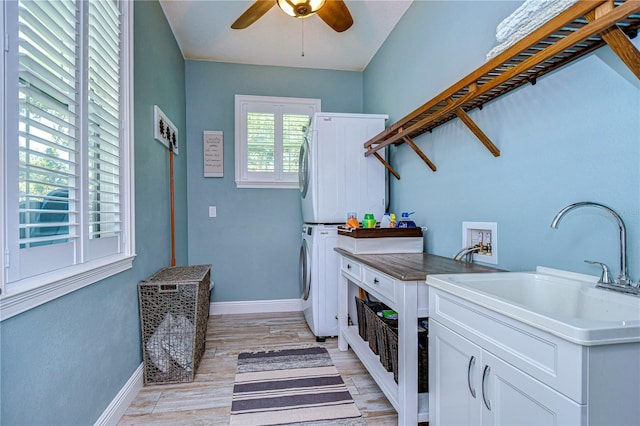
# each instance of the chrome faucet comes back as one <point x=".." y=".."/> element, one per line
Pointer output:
<point x="623" y="283"/>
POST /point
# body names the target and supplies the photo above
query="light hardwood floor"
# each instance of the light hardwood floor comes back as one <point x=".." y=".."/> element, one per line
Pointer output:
<point x="207" y="400"/>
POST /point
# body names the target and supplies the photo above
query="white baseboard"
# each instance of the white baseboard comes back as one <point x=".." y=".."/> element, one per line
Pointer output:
<point x="255" y="306"/>
<point x="123" y="399"/>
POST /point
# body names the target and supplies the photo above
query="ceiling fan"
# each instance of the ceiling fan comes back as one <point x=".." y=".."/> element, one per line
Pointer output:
<point x="333" y="12"/>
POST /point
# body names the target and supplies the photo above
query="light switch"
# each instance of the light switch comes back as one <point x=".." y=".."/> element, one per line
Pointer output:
<point x="212" y="211"/>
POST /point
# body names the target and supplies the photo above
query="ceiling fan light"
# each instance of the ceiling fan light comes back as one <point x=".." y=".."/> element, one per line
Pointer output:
<point x="300" y="8"/>
<point x="316" y="4"/>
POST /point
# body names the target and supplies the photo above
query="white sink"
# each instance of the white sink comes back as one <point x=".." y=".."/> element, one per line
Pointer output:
<point x="563" y="303"/>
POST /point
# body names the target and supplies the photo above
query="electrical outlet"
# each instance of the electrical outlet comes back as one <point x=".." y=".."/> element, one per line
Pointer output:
<point x="164" y="131"/>
<point x="484" y="235"/>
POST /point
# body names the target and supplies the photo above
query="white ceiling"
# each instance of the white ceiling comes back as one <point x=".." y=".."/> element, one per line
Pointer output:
<point x="202" y="30"/>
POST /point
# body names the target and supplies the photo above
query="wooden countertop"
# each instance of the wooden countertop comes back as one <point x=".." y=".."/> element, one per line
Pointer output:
<point x="415" y="266"/>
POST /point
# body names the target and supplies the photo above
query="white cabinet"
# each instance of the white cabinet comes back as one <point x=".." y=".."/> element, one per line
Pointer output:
<point x="511" y="397"/>
<point x="487" y="368"/>
<point x="453" y="365"/>
<point x="473" y="387"/>
<point x="397" y="280"/>
<point x="409" y="299"/>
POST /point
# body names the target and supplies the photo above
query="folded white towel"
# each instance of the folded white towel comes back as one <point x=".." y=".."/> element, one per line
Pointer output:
<point x="529" y="13"/>
<point x="525" y="20"/>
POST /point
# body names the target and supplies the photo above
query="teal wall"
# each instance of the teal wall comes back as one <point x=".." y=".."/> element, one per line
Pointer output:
<point x="574" y="136"/>
<point x="63" y="362"/>
<point x="253" y="242"/>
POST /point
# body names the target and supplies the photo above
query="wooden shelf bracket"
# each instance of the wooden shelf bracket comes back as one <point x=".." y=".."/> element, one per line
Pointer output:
<point x="418" y="151"/>
<point x="387" y="165"/>
<point x="476" y="130"/>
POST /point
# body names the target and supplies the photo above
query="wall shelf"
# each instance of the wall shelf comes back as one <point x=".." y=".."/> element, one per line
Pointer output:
<point x="579" y="30"/>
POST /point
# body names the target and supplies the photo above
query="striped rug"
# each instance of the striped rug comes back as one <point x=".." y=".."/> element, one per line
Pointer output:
<point x="293" y="387"/>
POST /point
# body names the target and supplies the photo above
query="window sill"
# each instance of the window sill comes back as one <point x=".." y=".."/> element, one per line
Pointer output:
<point x="267" y="185"/>
<point x="20" y="297"/>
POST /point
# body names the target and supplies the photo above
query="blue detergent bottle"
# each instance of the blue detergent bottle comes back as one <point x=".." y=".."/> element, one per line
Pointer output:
<point x="405" y="222"/>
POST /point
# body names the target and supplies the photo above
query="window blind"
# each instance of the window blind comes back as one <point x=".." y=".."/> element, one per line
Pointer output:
<point x="292" y="137"/>
<point x="261" y="142"/>
<point x="104" y="120"/>
<point x="269" y="134"/>
<point x="47" y="121"/>
<point x="67" y="109"/>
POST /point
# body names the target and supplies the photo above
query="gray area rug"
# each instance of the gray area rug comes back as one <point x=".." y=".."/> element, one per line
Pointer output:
<point x="291" y="387"/>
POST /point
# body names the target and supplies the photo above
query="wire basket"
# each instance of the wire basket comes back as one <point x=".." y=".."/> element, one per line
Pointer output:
<point x="174" y="309"/>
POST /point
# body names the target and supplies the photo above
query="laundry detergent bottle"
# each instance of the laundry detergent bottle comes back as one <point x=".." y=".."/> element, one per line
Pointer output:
<point x="386" y="221"/>
<point x="405" y="222"/>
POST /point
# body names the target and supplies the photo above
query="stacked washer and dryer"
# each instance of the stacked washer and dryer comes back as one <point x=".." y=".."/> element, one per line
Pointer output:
<point x="335" y="178"/>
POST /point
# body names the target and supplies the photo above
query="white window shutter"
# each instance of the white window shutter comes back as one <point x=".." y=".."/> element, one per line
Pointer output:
<point x="269" y="133"/>
<point x="48" y="133"/>
<point x="103" y="127"/>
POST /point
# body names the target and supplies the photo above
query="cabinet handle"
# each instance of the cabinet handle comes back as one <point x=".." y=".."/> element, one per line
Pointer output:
<point x="348" y="266"/>
<point x="375" y="281"/>
<point x="472" y="362"/>
<point x="485" y="374"/>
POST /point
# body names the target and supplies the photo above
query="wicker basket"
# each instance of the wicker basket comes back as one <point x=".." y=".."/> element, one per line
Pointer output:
<point x="423" y="361"/>
<point x="385" y="327"/>
<point x="423" y="356"/>
<point x="371" y="315"/>
<point x="174" y="308"/>
<point x="362" y="318"/>
<point x="367" y="314"/>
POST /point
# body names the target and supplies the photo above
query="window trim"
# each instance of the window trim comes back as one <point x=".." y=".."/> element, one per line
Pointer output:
<point x="28" y="293"/>
<point x="241" y="145"/>
<point x="2" y="169"/>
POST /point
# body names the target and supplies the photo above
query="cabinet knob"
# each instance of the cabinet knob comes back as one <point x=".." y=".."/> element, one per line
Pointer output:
<point x="375" y="281"/>
<point x="348" y="266"/>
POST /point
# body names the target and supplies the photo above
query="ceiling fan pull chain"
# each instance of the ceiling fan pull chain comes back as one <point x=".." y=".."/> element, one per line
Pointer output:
<point x="302" y="27"/>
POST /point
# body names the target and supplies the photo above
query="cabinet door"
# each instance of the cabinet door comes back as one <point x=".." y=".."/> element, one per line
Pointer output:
<point x="454" y="378"/>
<point x="511" y="397"/>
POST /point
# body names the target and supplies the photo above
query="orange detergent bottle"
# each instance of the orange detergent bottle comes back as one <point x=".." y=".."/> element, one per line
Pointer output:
<point x="352" y="221"/>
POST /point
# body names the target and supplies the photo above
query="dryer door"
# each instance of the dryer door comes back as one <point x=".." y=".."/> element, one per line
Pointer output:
<point x="305" y="270"/>
<point x="303" y="168"/>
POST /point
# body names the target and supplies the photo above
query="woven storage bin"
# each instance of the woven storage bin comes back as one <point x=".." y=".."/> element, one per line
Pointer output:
<point x="423" y="356"/>
<point x="174" y="308"/>
<point x="423" y="359"/>
<point x="362" y="318"/>
<point x="371" y="314"/>
<point x="384" y="327"/>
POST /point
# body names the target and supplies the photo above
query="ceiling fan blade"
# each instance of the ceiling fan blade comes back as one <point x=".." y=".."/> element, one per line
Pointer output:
<point x="253" y="13"/>
<point x="336" y="14"/>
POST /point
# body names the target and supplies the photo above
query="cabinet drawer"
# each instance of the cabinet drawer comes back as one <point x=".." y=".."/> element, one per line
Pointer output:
<point x="351" y="268"/>
<point x="381" y="283"/>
